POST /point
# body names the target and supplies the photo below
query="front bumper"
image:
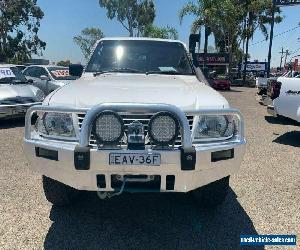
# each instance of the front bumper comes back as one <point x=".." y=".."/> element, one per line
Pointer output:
<point x="188" y="167"/>
<point x="16" y="110"/>
<point x="63" y="169"/>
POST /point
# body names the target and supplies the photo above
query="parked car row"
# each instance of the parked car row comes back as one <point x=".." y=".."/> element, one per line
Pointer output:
<point x="20" y="90"/>
<point x="281" y="95"/>
<point x="219" y="82"/>
<point x="262" y="82"/>
<point x="48" y="78"/>
<point x="17" y="93"/>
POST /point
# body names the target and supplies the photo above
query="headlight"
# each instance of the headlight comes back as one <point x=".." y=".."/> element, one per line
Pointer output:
<point x="215" y="127"/>
<point x="39" y="95"/>
<point x="108" y="128"/>
<point x="56" y="124"/>
<point x="163" y="128"/>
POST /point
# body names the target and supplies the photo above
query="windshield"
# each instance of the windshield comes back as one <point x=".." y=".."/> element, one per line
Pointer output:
<point x="11" y="75"/>
<point x="140" y="57"/>
<point x="61" y="73"/>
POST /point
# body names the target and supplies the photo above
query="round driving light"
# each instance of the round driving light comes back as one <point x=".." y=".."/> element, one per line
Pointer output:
<point x="108" y="128"/>
<point x="163" y="128"/>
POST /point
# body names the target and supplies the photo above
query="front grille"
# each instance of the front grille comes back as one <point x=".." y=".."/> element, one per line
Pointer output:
<point x="17" y="100"/>
<point x="128" y="119"/>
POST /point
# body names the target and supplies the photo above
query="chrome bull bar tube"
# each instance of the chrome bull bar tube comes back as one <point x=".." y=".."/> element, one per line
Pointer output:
<point x="132" y="107"/>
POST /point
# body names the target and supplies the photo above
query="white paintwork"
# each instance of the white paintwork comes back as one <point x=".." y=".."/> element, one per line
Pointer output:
<point x="53" y="84"/>
<point x="14" y="90"/>
<point x="185" y="92"/>
<point x="63" y="170"/>
<point x="288" y="104"/>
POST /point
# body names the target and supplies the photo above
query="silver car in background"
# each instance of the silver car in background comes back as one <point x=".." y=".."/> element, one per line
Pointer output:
<point x="48" y="77"/>
<point x="16" y="92"/>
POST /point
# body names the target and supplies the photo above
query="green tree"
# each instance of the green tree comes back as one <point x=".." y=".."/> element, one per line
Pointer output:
<point x="134" y="15"/>
<point x="87" y="39"/>
<point x="257" y="15"/>
<point x="203" y="10"/>
<point x="157" y="32"/>
<point x="64" y="63"/>
<point x="19" y="26"/>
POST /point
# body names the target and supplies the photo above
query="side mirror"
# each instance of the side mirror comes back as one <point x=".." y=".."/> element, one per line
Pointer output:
<point x="44" y="78"/>
<point x="76" y="70"/>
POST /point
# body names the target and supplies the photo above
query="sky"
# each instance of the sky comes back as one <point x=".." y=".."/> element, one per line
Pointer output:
<point x="65" y="19"/>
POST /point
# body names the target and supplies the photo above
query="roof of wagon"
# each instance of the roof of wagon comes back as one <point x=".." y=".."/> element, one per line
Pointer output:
<point x="4" y="65"/>
<point x="140" y="39"/>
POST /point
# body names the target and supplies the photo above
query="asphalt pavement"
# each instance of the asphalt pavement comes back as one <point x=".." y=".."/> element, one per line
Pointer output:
<point x="264" y="198"/>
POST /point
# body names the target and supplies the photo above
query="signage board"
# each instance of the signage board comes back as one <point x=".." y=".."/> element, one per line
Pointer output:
<point x="286" y="2"/>
<point x="213" y="58"/>
<point x="255" y="66"/>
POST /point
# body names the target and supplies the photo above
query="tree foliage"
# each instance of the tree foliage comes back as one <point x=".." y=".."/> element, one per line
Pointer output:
<point x="157" y="32"/>
<point x="64" y="63"/>
<point x="225" y="19"/>
<point x="19" y="26"/>
<point x="134" y="15"/>
<point x="87" y="39"/>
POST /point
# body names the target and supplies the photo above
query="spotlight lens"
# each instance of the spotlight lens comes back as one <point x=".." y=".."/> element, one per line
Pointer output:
<point x="108" y="127"/>
<point x="163" y="129"/>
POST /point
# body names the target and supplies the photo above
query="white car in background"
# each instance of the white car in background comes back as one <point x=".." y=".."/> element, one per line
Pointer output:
<point x="16" y="92"/>
<point x="138" y="120"/>
<point x="48" y="77"/>
<point x="284" y="97"/>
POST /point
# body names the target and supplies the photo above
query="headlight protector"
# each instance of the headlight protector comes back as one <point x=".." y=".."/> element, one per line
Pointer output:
<point x="215" y="127"/>
<point x="56" y="125"/>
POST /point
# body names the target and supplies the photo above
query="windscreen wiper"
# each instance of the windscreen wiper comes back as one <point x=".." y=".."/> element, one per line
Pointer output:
<point x="120" y="70"/>
<point x="167" y="72"/>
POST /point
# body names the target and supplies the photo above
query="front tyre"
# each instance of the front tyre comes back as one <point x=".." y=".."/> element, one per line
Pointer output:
<point x="212" y="195"/>
<point x="58" y="193"/>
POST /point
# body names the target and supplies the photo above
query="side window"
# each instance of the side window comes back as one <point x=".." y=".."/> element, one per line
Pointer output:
<point x="39" y="71"/>
<point x="29" y="72"/>
<point x="44" y="72"/>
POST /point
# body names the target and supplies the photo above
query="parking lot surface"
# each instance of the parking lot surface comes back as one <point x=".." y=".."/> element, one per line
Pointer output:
<point x="264" y="198"/>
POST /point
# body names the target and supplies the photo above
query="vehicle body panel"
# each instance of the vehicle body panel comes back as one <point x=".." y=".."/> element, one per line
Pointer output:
<point x="221" y="84"/>
<point x="183" y="91"/>
<point x="47" y="86"/>
<point x="16" y="98"/>
<point x="288" y="103"/>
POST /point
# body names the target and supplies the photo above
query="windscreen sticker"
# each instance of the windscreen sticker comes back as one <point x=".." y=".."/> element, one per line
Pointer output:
<point x="6" y="72"/>
<point x="167" y="69"/>
<point x="60" y="73"/>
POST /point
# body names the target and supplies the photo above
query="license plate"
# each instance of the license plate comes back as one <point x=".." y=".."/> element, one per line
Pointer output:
<point x="134" y="159"/>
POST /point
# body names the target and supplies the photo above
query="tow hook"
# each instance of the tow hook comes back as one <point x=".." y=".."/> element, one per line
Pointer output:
<point x="103" y="195"/>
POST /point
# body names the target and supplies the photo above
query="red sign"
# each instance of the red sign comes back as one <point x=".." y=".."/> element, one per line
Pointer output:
<point x="213" y="58"/>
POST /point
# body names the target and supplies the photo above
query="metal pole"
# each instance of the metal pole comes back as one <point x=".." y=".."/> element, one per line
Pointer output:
<point x="281" y="58"/>
<point x="286" y="55"/>
<point x="271" y="42"/>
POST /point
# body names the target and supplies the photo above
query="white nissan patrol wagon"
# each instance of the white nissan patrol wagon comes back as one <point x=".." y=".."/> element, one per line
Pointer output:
<point x="138" y="120"/>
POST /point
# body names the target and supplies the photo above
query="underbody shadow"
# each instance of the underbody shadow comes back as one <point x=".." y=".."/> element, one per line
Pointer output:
<point x="290" y="138"/>
<point x="280" y="120"/>
<point x="148" y="221"/>
<point x="12" y="123"/>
